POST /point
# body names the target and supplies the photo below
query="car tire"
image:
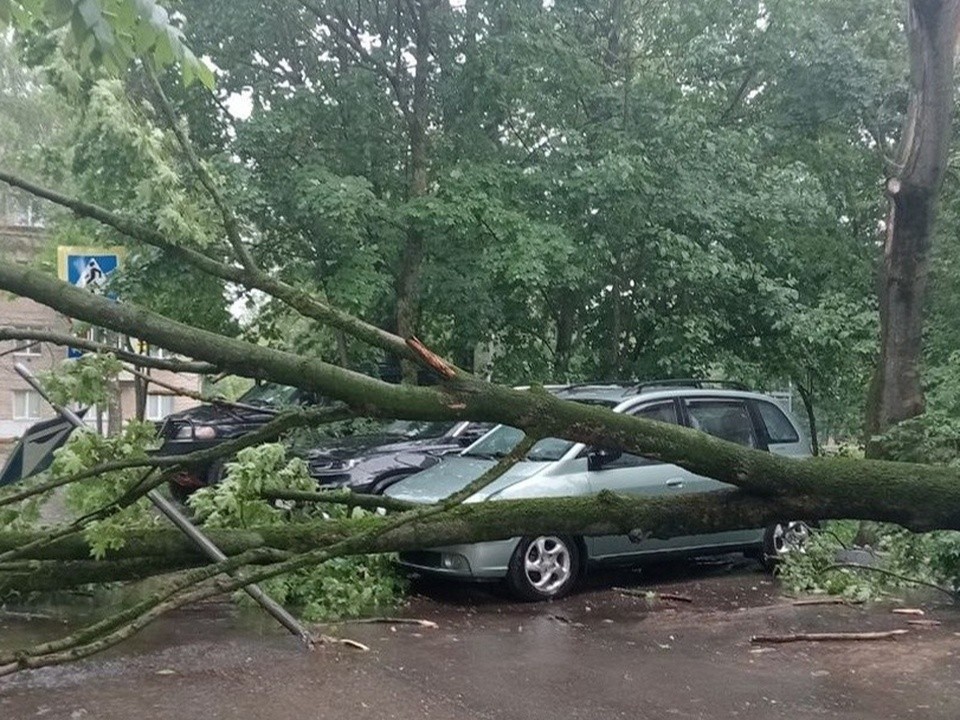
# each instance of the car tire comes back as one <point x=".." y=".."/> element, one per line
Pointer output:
<point x="783" y="538"/>
<point x="544" y="567"/>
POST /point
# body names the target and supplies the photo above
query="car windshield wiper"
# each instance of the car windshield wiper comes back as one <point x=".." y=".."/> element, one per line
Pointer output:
<point x="542" y="458"/>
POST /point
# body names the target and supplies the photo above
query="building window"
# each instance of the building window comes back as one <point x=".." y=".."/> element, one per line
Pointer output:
<point x="159" y="406"/>
<point x="28" y="347"/>
<point x="27" y="405"/>
<point x="19" y="210"/>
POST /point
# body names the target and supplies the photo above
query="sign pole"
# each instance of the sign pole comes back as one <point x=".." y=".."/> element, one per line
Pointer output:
<point x="184" y="525"/>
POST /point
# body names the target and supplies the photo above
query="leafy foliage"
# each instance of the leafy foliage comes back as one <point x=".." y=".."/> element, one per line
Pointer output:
<point x="933" y="437"/>
<point x="343" y="587"/>
<point x="111" y="33"/>
<point x="928" y="557"/>
<point x="86" y="380"/>
<point x="87" y="449"/>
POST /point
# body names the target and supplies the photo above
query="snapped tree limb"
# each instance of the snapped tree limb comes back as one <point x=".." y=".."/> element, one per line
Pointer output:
<point x="910" y="495"/>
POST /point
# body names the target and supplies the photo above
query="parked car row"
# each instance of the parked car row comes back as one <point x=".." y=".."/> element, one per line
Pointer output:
<point x="426" y="462"/>
<point x="367" y="463"/>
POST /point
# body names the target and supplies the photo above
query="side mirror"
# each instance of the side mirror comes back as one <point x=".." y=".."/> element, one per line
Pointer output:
<point x="600" y="457"/>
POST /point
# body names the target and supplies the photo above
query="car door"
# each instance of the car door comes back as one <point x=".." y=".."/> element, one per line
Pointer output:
<point x="730" y="419"/>
<point x="640" y="476"/>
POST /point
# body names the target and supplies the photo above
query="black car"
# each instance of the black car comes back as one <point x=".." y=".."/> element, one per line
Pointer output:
<point x="208" y="425"/>
<point x="372" y="463"/>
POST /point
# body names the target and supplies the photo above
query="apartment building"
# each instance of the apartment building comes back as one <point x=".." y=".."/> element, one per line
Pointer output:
<point x="21" y="238"/>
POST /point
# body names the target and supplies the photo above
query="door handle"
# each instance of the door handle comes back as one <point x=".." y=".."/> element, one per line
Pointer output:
<point x="675" y="483"/>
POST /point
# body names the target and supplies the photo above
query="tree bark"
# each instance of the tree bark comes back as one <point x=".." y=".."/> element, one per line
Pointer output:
<point x="912" y="190"/>
<point x="152" y="551"/>
<point x="418" y="117"/>
<point x="806" y="396"/>
<point x="565" y="319"/>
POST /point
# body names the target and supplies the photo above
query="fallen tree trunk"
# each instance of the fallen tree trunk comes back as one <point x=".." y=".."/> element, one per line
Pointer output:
<point x="164" y="549"/>
<point x="919" y="497"/>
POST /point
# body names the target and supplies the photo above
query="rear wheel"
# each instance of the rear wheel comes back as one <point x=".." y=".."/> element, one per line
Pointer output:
<point x="544" y="567"/>
<point x="783" y="539"/>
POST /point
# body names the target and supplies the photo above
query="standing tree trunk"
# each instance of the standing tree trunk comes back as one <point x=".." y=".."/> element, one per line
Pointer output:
<point x="616" y="329"/>
<point x="411" y="259"/>
<point x="565" y="321"/>
<point x="912" y="189"/>
<point x="806" y="395"/>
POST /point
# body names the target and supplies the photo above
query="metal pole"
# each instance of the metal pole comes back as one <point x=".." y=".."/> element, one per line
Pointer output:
<point x="183" y="523"/>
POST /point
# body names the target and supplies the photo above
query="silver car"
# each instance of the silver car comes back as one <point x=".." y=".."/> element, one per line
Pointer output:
<point x="543" y="567"/>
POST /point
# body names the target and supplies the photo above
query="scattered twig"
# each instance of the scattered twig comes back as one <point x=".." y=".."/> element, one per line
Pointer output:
<point x="828" y="636"/>
<point x="384" y="621"/>
<point x="884" y="571"/>
<point x="826" y="601"/>
<point x="355" y="644"/>
<point x="908" y="611"/>
<point x="825" y="531"/>
<point x="24" y="615"/>
<point x="649" y="595"/>
<point x="924" y="623"/>
<point x="566" y="621"/>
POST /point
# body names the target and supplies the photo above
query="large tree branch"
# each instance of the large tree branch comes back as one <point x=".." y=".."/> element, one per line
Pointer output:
<point x="349" y="37"/>
<point x="911" y="492"/>
<point x="602" y="514"/>
<point x="303" y="302"/>
<point x="231" y="224"/>
<point x="67" y="340"/>
<point x="127" y="226"/>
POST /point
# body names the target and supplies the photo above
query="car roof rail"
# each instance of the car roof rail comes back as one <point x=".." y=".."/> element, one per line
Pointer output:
<point x="600" y="384"/>
<point x="699" y="383"/>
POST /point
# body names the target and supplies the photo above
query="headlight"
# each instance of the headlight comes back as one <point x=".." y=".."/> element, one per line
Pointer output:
<point x="333" y="465"/>
<point x="199" y="432"/>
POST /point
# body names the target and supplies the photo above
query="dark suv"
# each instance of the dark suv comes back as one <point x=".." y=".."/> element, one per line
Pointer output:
<point x="208" y="425"/>
<point x="368" y="462"/>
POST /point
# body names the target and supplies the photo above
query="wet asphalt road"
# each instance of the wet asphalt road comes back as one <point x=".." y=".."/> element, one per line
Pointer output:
<point x="596" y="655"/>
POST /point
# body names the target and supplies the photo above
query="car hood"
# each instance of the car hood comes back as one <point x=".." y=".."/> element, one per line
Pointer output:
<point x="455" y="473"/>
<point x="353" y="446"/>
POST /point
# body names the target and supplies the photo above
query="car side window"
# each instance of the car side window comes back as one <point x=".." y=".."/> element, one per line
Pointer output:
<point x="726" y="419"/>
<point x="658" y="412"/>
<point x="779" y="427"/>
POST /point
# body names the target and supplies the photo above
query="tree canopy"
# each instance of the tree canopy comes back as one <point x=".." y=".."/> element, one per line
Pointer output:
<point x="520" y="191"/>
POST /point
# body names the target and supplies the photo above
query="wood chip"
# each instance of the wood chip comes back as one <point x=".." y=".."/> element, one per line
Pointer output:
<point x="828" y="636"/>
<point x="651" y="595"/>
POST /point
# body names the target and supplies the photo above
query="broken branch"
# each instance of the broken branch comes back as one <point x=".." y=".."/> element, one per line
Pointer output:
<point x="828" y="637"/>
